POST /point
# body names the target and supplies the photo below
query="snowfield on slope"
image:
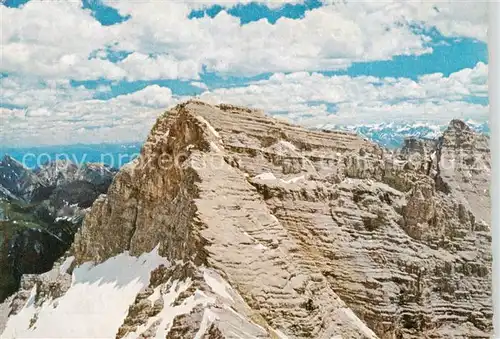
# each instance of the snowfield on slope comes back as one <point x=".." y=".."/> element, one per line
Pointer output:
<point x="97" y="303"/>
<point x="94" y="306"/>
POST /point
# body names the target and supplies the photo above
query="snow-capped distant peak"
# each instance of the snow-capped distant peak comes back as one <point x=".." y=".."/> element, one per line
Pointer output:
<point x="392" y="134"/>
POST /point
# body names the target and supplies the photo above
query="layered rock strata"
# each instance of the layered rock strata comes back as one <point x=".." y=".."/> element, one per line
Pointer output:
<point x="314" y="234"/>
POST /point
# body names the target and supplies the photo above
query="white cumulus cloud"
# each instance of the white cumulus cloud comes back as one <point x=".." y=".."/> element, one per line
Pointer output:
<point x="55" y="39"/>
<point x="304" y="97"/>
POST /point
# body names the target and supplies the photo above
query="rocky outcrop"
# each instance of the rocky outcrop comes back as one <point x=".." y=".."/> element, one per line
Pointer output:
<point x="464" y="168"/>
<point x="6" y="195"/>
<point x="274" y="231"/>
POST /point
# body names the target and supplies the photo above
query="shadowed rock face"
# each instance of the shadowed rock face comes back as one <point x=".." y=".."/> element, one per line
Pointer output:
<point x="322" y="233"/>
<point x="36" y="250"/>
<point x="82" y="193"/>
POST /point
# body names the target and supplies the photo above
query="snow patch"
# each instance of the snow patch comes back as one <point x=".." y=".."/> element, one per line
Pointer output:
<point x="208" y="318"/>
<point x="22" y="319"/>
<point x="168" y="313"/>
<point x="248" y="235"/>
<point x="265" y="176"/>
<point x="281" y="335"/>
<point x="66" y="264"/>
<point x="293" y="180"/>
<point x="156" y="295"/>
<point x="217" y="284"/>
<point x="199" y="298"/>
<point x="260" y="247"/>
<point x="288" y="145"/>
<point x="66" y="218"/>
<point x="99" y="295"/>
<point x="348" y="315"/>
<point x="214" y="147"/>
<point x="210" y="127"/>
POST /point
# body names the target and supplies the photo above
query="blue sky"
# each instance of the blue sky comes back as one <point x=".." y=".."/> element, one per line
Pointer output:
<point x="449" y="55"/>
<point x="254" y="11"/>
<point x="126" y="63"/>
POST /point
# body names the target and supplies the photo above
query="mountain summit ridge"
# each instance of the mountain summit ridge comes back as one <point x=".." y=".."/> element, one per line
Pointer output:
<point x="269" y="230"/>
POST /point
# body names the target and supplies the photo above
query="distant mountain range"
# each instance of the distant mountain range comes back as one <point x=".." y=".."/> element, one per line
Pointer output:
<point x="392" y="135"/>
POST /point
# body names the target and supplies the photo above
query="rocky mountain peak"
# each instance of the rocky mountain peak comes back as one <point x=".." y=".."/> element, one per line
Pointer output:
<point x="58" y="171"/>
<point x="419" y="146"/>
<point x="17" y="179"/>
<point x="8" y="160"/>
<point x="246" y="226"/>
<point x="461" y="136"/>
<point x="458" y="125"/>
<point x="464" y="167"/>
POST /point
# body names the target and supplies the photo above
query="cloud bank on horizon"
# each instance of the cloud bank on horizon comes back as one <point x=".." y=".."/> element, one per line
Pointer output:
<point x="102" y="71"/>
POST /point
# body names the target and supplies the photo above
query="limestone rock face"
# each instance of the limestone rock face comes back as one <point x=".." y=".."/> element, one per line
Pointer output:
<point x="274" y="231"/>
